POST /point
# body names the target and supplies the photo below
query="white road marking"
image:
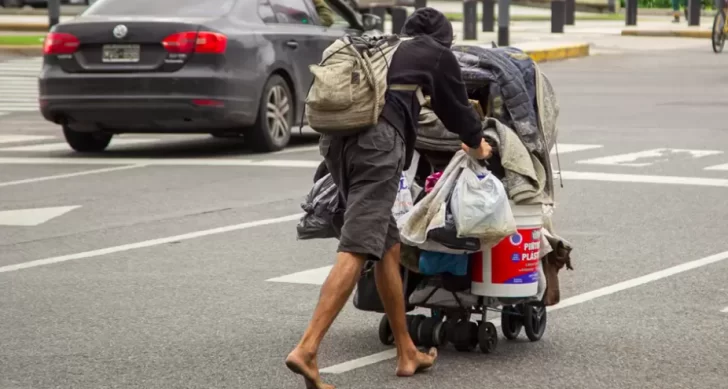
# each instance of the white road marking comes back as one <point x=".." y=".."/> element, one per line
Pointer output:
<point x="723" y="167"/>
<point x="297" y="150"/>
<point x="23" y="138"/>
<point x="159" y="161"/>
<point x="579" y="299"/>
<point x="572" y="148"/>
<point x="33" y="216"/>
<point x="148" y="243"/>
<point x="309" y="277"/>
<point x="725" y="310"/>
<point x="65" y="147"/>
<point x="651" y="156"/>
<point x="644" y="179"/>
<point x="68" y="175"/>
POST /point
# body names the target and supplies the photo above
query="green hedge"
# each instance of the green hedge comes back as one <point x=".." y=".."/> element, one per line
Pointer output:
<point x="708" y="4"/>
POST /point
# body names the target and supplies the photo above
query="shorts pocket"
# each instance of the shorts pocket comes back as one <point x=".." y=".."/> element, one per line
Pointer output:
<point x="379" y="137"/>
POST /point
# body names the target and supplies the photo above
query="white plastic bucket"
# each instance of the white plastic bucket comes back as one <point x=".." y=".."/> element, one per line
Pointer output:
<point x="510" y="268"/>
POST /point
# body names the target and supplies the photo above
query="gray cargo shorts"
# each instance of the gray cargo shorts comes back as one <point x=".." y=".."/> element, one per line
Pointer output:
<point x="366" y="168"/>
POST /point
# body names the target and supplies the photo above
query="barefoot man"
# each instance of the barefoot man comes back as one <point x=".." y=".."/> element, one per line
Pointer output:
<point x="367" y="166"/>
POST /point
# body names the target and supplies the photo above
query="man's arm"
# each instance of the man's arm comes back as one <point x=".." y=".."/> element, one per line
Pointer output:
<point x="324" y="12"/>
<point x="449" y="100"/>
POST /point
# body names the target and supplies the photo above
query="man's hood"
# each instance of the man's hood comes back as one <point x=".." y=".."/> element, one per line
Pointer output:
<point x="429" y="21"/>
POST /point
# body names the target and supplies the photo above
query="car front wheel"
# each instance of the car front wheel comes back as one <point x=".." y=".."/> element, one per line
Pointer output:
<point x="272" y="130"/>
<point x="86" y="142"/>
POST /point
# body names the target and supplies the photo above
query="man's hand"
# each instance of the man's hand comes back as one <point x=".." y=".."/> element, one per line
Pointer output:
<point x="482" y="152"/>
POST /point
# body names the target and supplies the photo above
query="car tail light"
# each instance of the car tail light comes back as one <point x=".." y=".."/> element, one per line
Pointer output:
<point x="60" y="43"/>
<point x="196" y="42"/>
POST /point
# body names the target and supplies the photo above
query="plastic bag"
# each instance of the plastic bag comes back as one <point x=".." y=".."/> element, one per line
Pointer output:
<point x="480" y="205"/>
<point x="447" y="235"/>
<point x="403" y="203"/>
<point x="323" y="209"/>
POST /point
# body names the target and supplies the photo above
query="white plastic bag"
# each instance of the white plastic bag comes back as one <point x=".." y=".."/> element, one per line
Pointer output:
<point x="479" y="205"/>
<point x="403" y="202"/>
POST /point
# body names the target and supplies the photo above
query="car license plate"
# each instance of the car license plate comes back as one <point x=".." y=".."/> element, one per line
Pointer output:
<point x="120" y="53"/>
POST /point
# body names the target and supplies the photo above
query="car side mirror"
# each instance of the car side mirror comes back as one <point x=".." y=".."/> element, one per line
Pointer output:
<point x="370" y="21"/>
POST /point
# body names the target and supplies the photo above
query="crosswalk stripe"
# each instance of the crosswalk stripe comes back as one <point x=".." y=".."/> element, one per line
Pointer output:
<point x="23" y="138"/>
<point x="723" y="167"/>
<point x="64" y="146"/>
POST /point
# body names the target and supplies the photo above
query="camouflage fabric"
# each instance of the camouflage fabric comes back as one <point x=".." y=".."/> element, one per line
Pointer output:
<point x="325" y="14"/>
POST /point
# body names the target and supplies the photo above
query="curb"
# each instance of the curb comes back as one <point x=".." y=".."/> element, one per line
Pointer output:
<point x="24" y="27"/>
<point x="28" y="51"/>
<point x="559" y="53"/>
<point x="701" y="34"/>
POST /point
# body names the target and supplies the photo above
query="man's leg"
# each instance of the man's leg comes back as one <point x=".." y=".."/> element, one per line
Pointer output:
<point x="334" y="294"/>
<point x="390" y="288"/>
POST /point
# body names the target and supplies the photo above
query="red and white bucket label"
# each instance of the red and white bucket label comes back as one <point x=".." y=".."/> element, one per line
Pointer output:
<point x="514" y="260"/>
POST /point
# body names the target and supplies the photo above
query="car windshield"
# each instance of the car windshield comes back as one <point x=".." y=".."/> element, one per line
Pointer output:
<point x="162" y="8"/>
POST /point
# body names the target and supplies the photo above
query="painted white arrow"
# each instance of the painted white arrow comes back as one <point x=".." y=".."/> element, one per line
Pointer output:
<point x="33" y="216"/>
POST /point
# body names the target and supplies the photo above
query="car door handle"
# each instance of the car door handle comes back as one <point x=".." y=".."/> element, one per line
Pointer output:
<point x="292" y="44"/>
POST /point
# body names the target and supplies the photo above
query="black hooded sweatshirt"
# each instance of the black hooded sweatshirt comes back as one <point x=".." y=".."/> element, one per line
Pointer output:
<point x="426" y="60"/>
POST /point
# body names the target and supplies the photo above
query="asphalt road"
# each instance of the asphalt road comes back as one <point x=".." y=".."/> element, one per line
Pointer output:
<point x="140" y="287"/>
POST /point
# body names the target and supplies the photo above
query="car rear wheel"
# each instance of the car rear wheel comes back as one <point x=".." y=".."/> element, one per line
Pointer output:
<point x="272" y="131"/>
<point x="87" y="142"/>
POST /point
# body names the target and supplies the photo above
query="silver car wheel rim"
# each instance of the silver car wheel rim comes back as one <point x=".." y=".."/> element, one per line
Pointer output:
<point x="277" y="113"/>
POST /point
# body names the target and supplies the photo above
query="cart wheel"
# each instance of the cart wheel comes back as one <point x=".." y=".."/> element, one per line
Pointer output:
<point x="511" y="322"/>
<point x="439" y="334"/>
<point x="466" y="336"/>
<point x="426" y="332"/>
<point x="487" y="337"/>
<point x="534" y="321"/>
<point x="414" y="326"/>
<point x="385" y="332"/>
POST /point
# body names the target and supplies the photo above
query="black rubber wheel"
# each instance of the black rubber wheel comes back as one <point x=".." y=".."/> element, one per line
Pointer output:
<point x="439" y="334"/>
<point x="385" y="332"/>
<point x="87" y="142"/>
<point x="718" y="33"/>
<point x="272" y="130"/>
<point x="465" y="338"/>
<point x="414" y="327"/>
<point x="511" y="322"/>
<point x="426" y="332"/>
<point x="487" y="337"/>
<point x="534" y="321"/>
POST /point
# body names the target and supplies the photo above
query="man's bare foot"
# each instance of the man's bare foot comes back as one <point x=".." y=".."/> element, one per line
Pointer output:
<point x="409" y="365"/>
<point x="305" y="364"/>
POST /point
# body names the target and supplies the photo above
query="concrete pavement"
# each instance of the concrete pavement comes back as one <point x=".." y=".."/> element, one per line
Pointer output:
<point x="159" y="278"/>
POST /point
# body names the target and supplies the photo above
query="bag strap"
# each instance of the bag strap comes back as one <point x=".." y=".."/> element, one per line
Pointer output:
<point x="410" y="88"/>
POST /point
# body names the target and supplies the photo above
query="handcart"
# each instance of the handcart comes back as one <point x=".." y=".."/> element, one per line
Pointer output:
<point x="456" y="316"/>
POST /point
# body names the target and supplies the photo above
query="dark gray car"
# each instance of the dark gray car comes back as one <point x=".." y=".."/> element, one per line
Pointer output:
<point x="186" y="66"/>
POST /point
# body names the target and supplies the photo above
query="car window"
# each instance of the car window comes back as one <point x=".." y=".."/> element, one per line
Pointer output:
<point x="184" y="8"/>
<point x="339" y="21"/>
<point x="291" y="11"/>
<point x="265" y="11"/>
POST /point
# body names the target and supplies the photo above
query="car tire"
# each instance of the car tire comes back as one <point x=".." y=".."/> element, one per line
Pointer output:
<point x="272" y="130"/>
<point x="87" y="142"/>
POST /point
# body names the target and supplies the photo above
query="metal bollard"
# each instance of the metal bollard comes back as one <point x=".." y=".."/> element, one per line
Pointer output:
<point x="470" y="19"/>
<point x="382" y="13"/>
<point x="504" y="19"/>
<point x="694" y="10"/>
<point x="54" y="12"/>
<point x="420" y="4"/>
<point x="488" y="15"/>
<point x="399" y="16"/>
<point x="558" y="14"/>
<point x="570" y="8"/>
<point x="630" y="13"/>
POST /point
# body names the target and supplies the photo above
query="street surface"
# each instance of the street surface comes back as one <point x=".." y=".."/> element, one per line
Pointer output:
<point x="150" y="265"/>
